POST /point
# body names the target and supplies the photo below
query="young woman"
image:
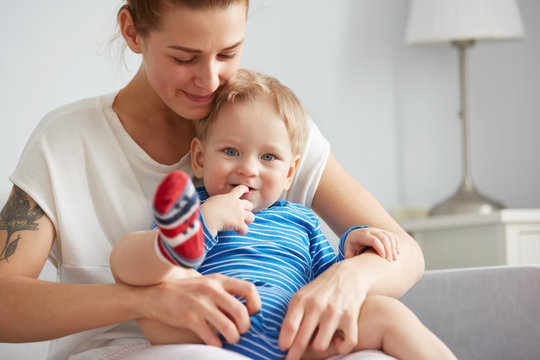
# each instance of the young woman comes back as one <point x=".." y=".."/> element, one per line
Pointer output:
<point x="87" y="177"/>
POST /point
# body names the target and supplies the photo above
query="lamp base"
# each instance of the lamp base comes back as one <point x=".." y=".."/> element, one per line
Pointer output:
<point x="466" y="200"/>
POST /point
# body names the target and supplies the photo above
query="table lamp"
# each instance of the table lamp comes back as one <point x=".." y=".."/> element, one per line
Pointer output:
<point x="462" y="23"/>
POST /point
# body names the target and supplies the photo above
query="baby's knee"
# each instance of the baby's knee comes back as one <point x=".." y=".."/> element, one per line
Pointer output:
<point x="382" y="309"/>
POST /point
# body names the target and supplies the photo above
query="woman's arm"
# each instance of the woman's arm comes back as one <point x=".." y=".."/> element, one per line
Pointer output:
<point x="342" y="202"/>
<point x="330" y="303"/>
<point x="35" y="310"/>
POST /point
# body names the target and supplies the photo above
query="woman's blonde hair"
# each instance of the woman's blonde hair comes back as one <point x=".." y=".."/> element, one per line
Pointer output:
<point x="147" y="14"/>
<point x="246" y="86"/>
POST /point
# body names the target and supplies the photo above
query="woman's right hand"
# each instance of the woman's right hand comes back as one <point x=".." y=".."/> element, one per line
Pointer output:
<point x="204" y="305"/>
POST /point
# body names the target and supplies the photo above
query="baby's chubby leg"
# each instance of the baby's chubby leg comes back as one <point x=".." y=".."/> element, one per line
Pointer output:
<point x="151" y="257"/>
<point x="386" y="324"/>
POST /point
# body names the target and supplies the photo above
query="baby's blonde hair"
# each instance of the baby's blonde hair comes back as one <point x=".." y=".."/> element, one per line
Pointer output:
<point x="247" y="86"/>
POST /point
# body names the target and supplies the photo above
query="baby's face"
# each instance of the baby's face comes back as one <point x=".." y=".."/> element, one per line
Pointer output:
<point x="248" y="144"/>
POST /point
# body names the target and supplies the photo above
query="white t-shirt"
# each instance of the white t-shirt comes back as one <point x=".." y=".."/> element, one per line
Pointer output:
<point x="96" y="184"/>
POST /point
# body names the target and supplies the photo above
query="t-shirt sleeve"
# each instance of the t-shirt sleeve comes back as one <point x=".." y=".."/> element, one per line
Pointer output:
<point x="312" y="164"/>
<point x="32" y="175"/>
<point x="322" y="253"/>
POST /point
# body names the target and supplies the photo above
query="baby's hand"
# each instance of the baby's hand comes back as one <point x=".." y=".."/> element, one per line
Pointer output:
<point x="385" y="243"/>
<point x="228" y="212"/>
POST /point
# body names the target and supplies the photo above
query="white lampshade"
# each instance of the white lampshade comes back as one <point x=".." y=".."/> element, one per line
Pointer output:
<point x="441" y="21"/>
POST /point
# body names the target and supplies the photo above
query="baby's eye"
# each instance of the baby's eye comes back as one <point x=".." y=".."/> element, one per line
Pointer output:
<point x="230" y="152"/>
<point x="268" y="157"/>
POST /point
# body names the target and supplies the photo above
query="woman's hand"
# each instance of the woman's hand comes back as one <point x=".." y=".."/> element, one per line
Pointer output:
<point x="228" y="212"/>
<point x="385" y="243"/>
<point x="326" y="307"/>
<point x="202" y="304"/>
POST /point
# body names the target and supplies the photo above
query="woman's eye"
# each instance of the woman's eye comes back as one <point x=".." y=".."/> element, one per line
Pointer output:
<point x="228" y="56"/>
<point x="230" y="152"/>
<point x="268" y="157"/>
<point x="183" y="62"/>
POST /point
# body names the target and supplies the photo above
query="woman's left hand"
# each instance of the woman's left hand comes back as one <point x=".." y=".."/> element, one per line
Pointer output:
<point x="323" y="311"/>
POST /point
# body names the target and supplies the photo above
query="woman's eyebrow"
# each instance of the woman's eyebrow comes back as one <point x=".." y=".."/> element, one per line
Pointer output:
<point x="195" y="51"/>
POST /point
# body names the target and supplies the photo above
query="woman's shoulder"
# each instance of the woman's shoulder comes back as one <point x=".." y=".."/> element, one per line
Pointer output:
<point x="79" y="111"/>
<point x="82" y="117"/>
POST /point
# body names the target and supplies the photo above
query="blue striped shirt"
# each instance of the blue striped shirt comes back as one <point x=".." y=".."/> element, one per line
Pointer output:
<point x="283" y="251"/>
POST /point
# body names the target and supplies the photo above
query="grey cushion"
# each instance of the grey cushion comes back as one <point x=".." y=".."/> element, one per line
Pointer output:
<point x="482" y="313"/>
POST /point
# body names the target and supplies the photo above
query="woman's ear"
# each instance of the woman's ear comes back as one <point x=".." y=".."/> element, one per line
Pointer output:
<point x="129" y="33"/>
<point x="197" y="157"/>
<point x="292" y="171"/>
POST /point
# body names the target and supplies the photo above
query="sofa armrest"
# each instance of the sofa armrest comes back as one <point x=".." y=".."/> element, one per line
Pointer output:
<point x="482" y="313"/>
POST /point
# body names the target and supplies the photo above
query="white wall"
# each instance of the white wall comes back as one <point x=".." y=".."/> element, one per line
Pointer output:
<point x="388" y="110"/>
<point x="53" y="52"/>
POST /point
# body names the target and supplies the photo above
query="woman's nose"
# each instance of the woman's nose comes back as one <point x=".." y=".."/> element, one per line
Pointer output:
<point x="207" y="77"/>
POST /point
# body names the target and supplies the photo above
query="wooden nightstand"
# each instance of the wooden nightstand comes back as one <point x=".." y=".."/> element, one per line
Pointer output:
<point x="506" y="237"/>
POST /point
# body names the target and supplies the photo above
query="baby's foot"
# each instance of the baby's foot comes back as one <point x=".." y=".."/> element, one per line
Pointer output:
<point x="176" y="209"/>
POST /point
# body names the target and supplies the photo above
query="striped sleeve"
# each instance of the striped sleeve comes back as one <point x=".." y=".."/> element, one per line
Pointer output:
<point x="321" y="252"/>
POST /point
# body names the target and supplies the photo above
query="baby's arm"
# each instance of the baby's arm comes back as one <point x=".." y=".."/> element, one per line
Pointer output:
<point x="358" y="239"/>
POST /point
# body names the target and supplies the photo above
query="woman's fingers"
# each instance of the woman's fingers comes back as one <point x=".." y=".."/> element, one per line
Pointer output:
<point x="243" y="289"/>
<point x="346" y="336"/>
<point x="290" y="325"/>
<point x="229" y="328"/>
<point x="230" y="316"/>
<point x="326" y="331"/>
<point x="207" y="334"/>
<point x="306" y="330"/>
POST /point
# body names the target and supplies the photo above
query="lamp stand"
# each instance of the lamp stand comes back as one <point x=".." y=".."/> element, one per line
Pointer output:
<point x="467" y="199"/>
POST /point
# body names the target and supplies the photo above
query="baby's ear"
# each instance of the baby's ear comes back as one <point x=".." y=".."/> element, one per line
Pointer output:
<point x="197" y="157"/>
<point x="292" y="171"/>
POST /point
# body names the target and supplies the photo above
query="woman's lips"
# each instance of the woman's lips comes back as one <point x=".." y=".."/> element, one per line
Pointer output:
<point x="199" y="98"/>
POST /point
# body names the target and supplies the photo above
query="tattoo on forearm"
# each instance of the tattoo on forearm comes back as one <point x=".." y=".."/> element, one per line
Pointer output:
<point x="17" y="216"/>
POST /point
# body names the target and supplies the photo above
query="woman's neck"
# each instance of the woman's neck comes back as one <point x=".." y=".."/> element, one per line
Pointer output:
<point x="162" y="134"/>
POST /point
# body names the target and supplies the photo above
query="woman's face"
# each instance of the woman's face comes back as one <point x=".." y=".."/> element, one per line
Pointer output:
<point x="192" y="55"/>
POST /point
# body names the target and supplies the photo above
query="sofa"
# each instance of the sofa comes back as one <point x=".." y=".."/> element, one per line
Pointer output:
<point x="480" y="313"/>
